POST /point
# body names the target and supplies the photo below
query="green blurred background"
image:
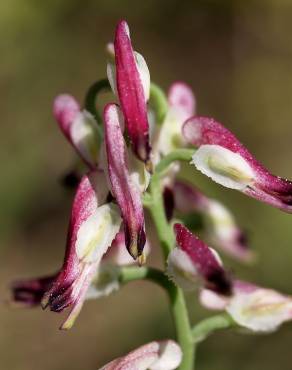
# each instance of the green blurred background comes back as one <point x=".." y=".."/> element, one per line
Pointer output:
<point x="237" y="56"/>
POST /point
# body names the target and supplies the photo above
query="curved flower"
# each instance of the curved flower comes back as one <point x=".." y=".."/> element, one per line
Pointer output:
<point x="182" y="105"/>
<point x="252" y="307"/>
<point x="79" y="127"/>
<point x="93" y="226"/>
<point x="226" y="161"/>
<point x="124" y="188"/>
<point x="130" y="80"/>
<point x="164" y="355"/>
<point x="220" y="226"/>
<point x="194" y="260"/>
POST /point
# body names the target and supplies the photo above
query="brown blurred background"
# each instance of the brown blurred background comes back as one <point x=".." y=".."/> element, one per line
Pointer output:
<point x="237" y="56"/>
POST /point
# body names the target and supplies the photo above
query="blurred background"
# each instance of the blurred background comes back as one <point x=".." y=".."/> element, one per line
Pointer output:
<point x="237" y="56"/>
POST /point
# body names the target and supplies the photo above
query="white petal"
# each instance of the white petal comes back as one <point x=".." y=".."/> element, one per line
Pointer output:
<point x="111" y="75"/>
<point x="105" y="282"/>
<point x="84" y="135"/>
<point x="223" y="166"/>
<point x="170" y="356"/>
<point x="261" y="310"/>
<point x="96" y="234"/>
<point x="182" y="270"/>
<point x="144" y="74"/>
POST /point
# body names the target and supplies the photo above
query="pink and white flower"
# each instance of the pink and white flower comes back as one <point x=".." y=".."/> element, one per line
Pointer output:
<point x="164" y="355"/>
<point x="130" y="81"/>
<point x="123" y="187"/>
<point x="225" y="160"/>
<point x="79" y="127"/>
<point x="92" y="228"/>
<point x="252" y="307"/>
<point x="193" y="264"/>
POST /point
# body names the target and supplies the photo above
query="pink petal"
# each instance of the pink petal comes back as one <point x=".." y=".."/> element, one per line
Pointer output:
<point x="182" y="99"/>
<point x="266" y="187"/>
<point x="131" y="93"/>
<point x="125" y="191"/>
<point x="204" y="260"/>
<point x="165" y="355"/>
<point x="79" y="127"/>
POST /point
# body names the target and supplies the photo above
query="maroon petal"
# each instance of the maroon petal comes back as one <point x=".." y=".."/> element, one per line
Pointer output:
<point x="125" y="191"/>
<point x="30" y="292"/>
<point x="131" y="93"/>
<point x="204" y="260"/>
<point x="274" y="190"/>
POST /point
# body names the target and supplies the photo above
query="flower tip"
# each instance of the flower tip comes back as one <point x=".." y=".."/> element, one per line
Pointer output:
<point x="142" y="259"/>
<point x="149" y="166"/>
<point x="123" y="27"/>
<point x="65" y="108"/>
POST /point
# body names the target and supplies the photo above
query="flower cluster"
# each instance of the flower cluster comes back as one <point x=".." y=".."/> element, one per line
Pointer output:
<point x="122" y="157"/>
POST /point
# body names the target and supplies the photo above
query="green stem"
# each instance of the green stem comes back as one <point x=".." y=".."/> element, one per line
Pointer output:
<point x="90" y="98"/>
<point x="176" y="155"/>
<point x="167" y="240"/>
<point x="158" y="102"/>
<point x="209" y="325"/>
<point x="178" y="306"/>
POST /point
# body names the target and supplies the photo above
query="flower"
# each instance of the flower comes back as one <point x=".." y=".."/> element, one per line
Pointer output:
<point x="193" y="261"/>
<point x="124" y="188"/>
<point x="130" y="81"/>
<point x="182" y="105"/>
<point x="79" y="127"/>
<point x="164" y="355"/>
<point x="92" y="228"/>
<point x="219" y="225"/>
<point x="252" y="307"/>
<point x="225" y="160"/>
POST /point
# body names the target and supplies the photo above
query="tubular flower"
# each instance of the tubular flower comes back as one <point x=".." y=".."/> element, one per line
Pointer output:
<point x="30" y="292"/>
<point x="225" y="160"/>
<point x="220" y="227"/>
<point x="252" y="307"/>
<point x="193" y="261"/>
<point x="182" y="105"/>
<point x="79" y="127"/>
<point x="164" y="355"/>
<point x="124" y="188"/>
<point x="93" y="226"/>
<point x="130" y="80"/>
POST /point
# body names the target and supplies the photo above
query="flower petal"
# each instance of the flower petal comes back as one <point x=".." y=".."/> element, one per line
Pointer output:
<point x="259" y="309"/>
<point x="182" y="106"/>
<point x="79" y="127"/>
<point x="223" y="158"/>
<point x="182" y="99"/>
<point x="165" y="355"/>
<point x="93" y="226"/>
<point x="219" y="224"/>
<point x="124" y="189"/>
<point x="206" y="261"/>
<point x="132" y="92"/>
